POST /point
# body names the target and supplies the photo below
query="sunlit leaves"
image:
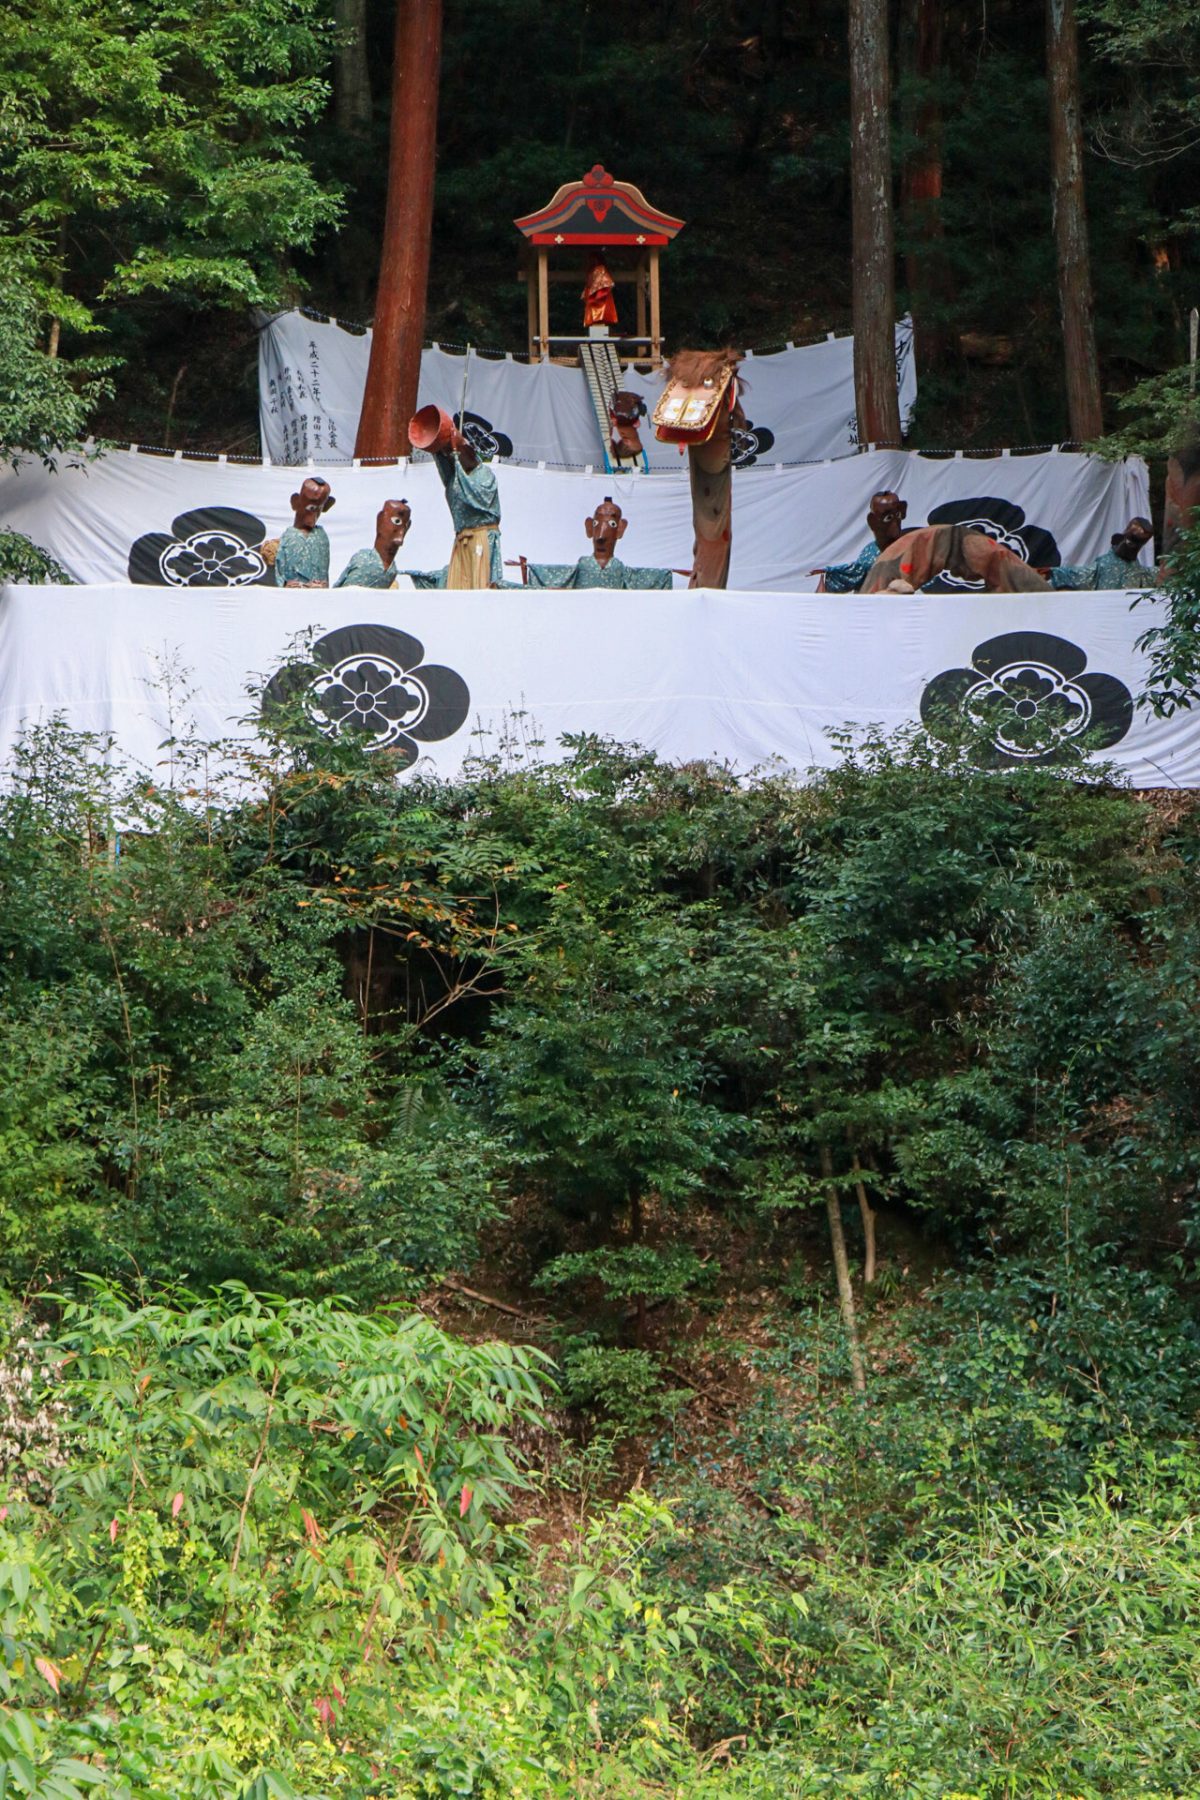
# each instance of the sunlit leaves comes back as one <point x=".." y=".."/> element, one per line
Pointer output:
<point x="146" y="147"/>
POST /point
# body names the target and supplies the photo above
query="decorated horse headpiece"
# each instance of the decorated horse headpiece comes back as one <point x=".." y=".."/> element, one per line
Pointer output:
<point x="700" y="393"/>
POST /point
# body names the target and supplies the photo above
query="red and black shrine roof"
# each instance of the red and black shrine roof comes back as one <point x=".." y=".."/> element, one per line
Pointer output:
<point x="599" y="210"/>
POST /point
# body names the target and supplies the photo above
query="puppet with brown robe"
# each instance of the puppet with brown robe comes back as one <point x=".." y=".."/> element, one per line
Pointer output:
<point x="698" y="408"/>
<point x="626" y="410"/>
<point x="964" y="552"/>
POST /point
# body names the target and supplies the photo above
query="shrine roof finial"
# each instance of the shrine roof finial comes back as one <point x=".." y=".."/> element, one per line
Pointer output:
<point x="599" y="210"/>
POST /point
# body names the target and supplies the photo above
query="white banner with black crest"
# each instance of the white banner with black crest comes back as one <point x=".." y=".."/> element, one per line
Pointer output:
<point x="799" y="402"/>
<point x="191" y="522"/>
<point x="746" y="678"/>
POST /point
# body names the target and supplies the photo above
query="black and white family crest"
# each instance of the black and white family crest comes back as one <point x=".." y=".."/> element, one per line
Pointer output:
<point x="373" y="681"/>
<point x="485" y="439"/>
<point x="209" y="546"/>
<point x="748" y="442"/>
<point x="1027" y="695"/>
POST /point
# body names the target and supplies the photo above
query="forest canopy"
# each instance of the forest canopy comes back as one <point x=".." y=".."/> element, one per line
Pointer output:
<point x="164" y="170"/>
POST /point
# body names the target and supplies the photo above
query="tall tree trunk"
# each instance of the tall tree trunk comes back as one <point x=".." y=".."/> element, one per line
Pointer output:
<point x="351" y="74"/>
<point x="1084" y="408"/>
<point x="841" y="1264"/>
<point x="394" y="370"/>
<point x="872" y="230"/>
<point x="926" y="270"/>
<point x="354" y="246"/>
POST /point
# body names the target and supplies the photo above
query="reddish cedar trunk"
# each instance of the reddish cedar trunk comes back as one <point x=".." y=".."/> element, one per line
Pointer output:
<point x="395" y="366"/>
<point x="926" y="270"/>
<point x="873" y="238"/>
<point x="1084" y="410"/>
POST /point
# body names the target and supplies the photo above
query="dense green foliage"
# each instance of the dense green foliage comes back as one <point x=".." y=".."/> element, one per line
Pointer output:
<point x="328" y="1035"/>
<point x="44" y="404"/>
<point x="260" y="1551"/>
<point x="23" y="560"/>
<point x="309" y="1036"/>
<point x="294" y="1055"/>
<point x="146" y="150"/>
<point x="1174" y="646"/>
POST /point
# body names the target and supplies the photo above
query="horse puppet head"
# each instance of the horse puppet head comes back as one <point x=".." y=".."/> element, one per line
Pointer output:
<point x="700" y="397"/>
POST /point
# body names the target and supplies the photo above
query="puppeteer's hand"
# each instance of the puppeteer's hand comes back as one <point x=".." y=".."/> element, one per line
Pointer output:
<point x="465" y="451"/>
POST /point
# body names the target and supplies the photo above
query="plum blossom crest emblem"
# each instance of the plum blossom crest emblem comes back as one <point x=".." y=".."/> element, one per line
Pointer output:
<point x="1028" y="698"/>
<point x="487" y="441"/>
<point x="210" y="546"/>
<point x="748" y="442"/>
<point x="372" y="682"/>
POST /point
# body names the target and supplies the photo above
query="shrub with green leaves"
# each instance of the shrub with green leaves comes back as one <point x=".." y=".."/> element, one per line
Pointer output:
<point x="146" y="153"/>
<point x="22" y="560"/>
<point x="315" y="1031"/>
<point x="280" y="1563"/>
<point x="1174" y="646"/>
<point x="620" y="1392"/>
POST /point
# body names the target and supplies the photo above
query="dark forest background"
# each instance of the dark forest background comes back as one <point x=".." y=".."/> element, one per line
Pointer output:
<point x="735" y="116"/>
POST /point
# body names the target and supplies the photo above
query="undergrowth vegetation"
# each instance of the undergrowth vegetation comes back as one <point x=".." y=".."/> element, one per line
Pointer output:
<point x="297" y="1053"/>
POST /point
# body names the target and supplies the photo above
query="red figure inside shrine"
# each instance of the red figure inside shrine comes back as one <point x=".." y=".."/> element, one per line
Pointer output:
<point x="599" y="307"/>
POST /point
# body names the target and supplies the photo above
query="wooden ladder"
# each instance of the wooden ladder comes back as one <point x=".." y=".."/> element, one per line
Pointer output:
<point x="602" y="370"/>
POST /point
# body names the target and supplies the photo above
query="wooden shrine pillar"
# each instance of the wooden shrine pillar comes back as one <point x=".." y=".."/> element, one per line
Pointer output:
<point x="642" y="279"/>
<point x="655" y="309"/>
<point x="543" y="280"/>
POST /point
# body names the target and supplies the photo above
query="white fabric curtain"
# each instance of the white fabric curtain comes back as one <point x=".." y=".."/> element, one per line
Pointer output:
<point x="131" y="516"/>
<point x="748" y="678"/>
<point x="799" y="402"/>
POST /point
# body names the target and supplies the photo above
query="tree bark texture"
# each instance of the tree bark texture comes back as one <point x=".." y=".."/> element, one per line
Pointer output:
<point x="351" y="74"/>
<point x="394" y="370"/>
<point x="926" y="271"/>
<point x="1084" y="410"/>
<point x="872" y="227"/>
<point x="867" y="1212"/>
<point x="841" y="1264"/>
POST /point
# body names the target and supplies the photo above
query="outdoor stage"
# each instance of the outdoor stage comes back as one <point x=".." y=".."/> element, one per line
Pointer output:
<point x="745" y="678"/>
<point x="129" y="517"/>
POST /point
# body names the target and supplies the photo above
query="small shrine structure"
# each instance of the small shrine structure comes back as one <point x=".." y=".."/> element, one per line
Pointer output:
<point x="598" y="213"/>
